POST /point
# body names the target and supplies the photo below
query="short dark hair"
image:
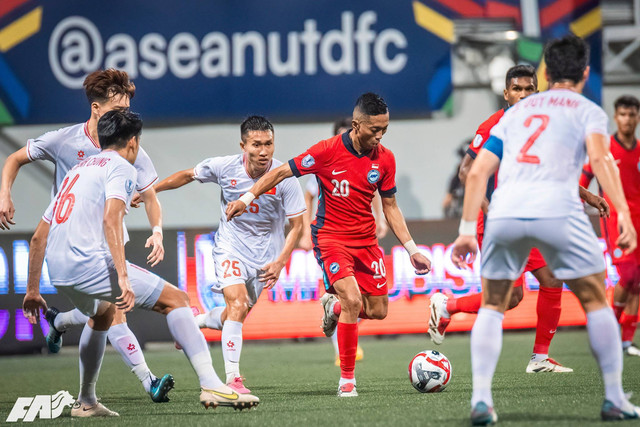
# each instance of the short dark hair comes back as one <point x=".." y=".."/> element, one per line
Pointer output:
<point x="628" y="101"/>
<point x="566" y="58"/>
<point x="521" y="70"/>
<point x="344" y="122"/>
<point x="117" y="127"/>
<point x="102" y="85"/>
<point x="371" y="104"/>
<point x="258" y="123"/>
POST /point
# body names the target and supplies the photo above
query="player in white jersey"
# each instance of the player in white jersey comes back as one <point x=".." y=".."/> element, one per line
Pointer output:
<point x="540" y="146"/>
<point x="65" y="148"/>
<point x="248" y="254"/>
<point x="87" y="264"/>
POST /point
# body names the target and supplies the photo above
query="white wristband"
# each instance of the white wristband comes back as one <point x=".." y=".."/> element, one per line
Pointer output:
<point x="156" y="229"/>
<point x="467" y="228"/>
<point x="411" y="247"/>
<point x="247" y="198"/>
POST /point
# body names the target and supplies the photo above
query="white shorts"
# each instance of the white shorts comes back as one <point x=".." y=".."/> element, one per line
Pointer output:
<point x="86" y="296"/>
<point x="230" y="270"/>
<point x="569" y="246"/>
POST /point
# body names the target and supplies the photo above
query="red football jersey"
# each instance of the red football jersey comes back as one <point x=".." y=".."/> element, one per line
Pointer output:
<point x="482" y="135"/>
<point x="347" y="182"/>
<point x="628" y="162"/>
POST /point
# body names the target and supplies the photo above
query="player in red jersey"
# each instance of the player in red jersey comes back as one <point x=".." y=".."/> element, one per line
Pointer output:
<point x="521" y="81"/>
<point x="626" y="150"/>
<point x="350" y="167"/>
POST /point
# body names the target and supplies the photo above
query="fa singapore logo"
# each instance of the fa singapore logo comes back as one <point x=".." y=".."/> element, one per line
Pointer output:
<point x="44" y="407"/>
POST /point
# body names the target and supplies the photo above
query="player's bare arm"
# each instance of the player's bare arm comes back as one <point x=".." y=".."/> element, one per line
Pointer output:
<point x="596" y="201"/>
<point x="465" y="166"/>
<point x="382" y="228"/>
<point x="114" y="211"/>
<point x="154" y="214"/>
<point x="466" y="245"/>
<point x="272" y="270"/>
<point x="398" y="226"/>
<point x="267" y="182"/>
<point x="9" y="173"/>
<point x="608" y="175"/>
<point x="33" y="301"/>
<point x="305" y="240"/>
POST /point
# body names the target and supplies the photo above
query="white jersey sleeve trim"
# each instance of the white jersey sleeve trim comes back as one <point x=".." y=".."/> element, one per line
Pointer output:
<point x="146" y="187"/>
<point x="297" y="213"/>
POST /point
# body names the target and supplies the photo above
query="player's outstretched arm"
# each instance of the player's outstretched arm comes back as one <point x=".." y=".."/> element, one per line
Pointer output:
<point x="466" y="245"/>
<point x="271" y="271"/>
<point x="9" y="173"/>
<point x="114" y="211"/>
<point x="398" y="225"/>
<point x="154" y="214"/>
<point x="596" y="201"/>
<point x="267" y="182"/>
<point x="33" y="301"/>
<point x="176" y="180"/>
<point x="608" y="175"/>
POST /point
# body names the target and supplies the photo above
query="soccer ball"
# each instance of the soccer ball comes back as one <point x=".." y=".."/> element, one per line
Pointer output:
<point x="430" y="371"/>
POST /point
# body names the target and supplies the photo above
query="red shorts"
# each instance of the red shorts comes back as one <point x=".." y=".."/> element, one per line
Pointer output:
<point x="534" y="262"/>
<point x="365" y="264"/>
<point x="629" y="273"/>
<point x="610" y="233"/>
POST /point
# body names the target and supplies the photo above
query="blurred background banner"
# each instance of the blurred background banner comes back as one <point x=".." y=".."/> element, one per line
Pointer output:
<point x="291" y="309"/>
<point x="220" y="60"/>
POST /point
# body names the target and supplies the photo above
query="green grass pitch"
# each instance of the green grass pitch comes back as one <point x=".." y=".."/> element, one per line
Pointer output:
<point x="297" y="384"/>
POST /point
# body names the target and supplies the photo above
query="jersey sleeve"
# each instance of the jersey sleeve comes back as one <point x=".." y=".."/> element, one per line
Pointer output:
<point x="48" y="214"/>
<point x="43" y="147"/>
<point x="292" y="198"/>
<point x="120" y="183"/>
<point x="587" y="175"/>
<point x="208" y="170"/>
<point x="147" y="175"/>
<point x="387" y="185"/>
<point x="596" y="121"/>
<point x="311" y="161"/>
<point x="494" y="144"/>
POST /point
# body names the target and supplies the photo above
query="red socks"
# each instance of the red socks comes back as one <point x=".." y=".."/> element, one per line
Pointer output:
<point x="628" y="324"/>
<point x="467" y="304"/>
<point x="548" y="310"/>
<point x="347" y="345"/>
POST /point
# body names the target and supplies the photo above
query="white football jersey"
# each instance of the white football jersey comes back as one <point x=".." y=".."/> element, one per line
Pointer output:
<point x="257" y="236"/>
<point x="76" y="246"/>
<point x="543" y="153"/>
<point x="68" y="146"/>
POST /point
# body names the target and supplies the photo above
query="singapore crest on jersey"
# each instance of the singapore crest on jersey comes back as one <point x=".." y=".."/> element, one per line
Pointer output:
<point x="373" y="176"/>
<point x="334" y="267"/>
<point x="308" y="161"/>
<point x="129" y="186"/>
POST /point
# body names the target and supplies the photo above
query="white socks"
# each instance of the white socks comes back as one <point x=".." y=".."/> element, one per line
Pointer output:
<point x="92" y="345"/>
<point x="69" y="319"/>
<point x="123" y="340"/>
<point x="231" y="342"/>
<point x="604" y="337"/>
<point x="334" y="341"/>
<point x="539" y="357"/>
<point x="486" y="344"/>
<point x="211" y="319"/>
<point x="185" y="332"/>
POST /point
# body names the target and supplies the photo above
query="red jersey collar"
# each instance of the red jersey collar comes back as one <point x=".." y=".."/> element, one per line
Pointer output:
<point x="348" y="144"/>
<point x="615" y="138"/>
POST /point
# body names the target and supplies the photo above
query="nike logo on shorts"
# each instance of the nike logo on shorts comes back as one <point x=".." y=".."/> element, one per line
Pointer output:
<point x="381" y="285"/>
<point x="333" y="172"/>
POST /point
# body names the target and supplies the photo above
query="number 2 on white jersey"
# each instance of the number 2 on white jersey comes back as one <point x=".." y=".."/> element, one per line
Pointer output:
<point x="523" y="157"/>
<point x="340" y="188"/>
